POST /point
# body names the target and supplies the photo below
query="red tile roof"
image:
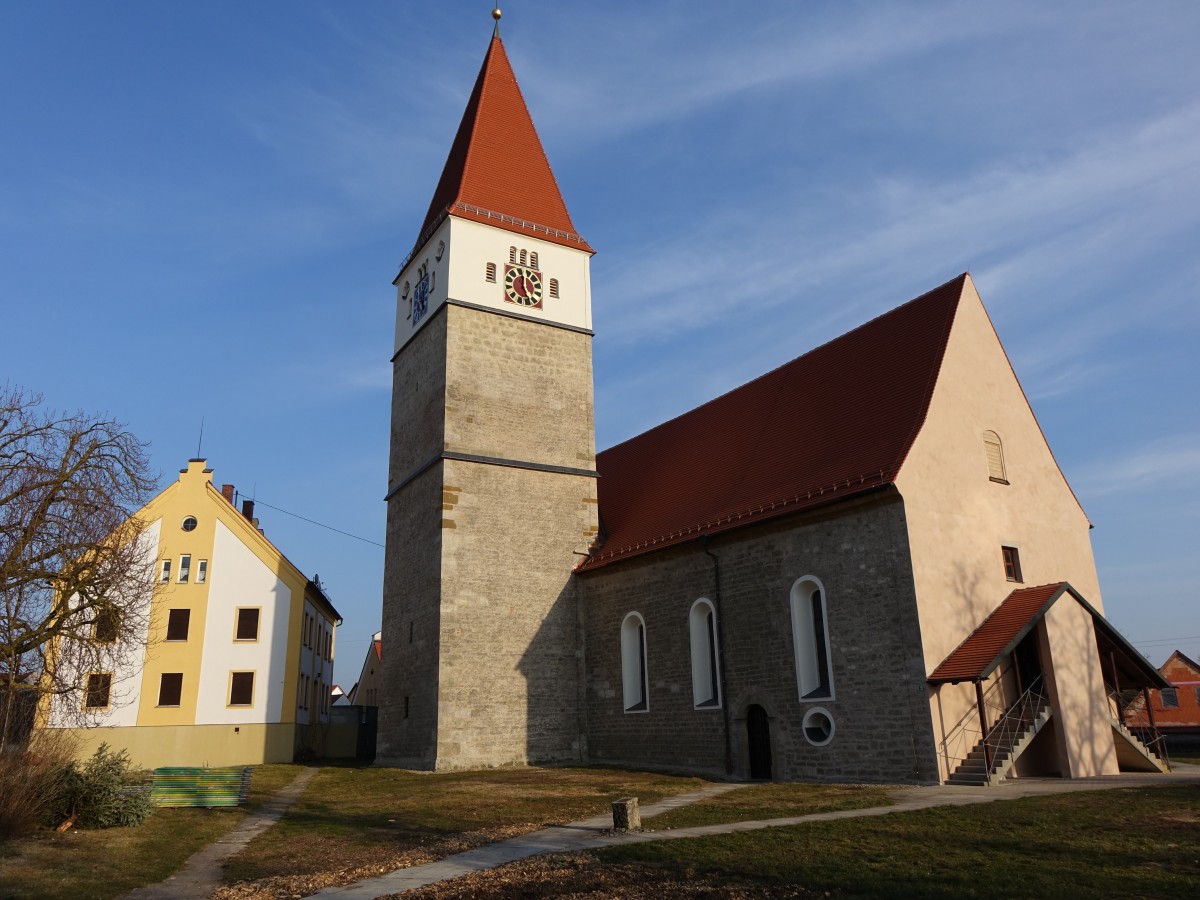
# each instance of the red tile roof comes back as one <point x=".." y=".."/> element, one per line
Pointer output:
<point x="832" y="424"/>
<point x="998" y="635"/>
<point x="1000" y="632"/>
<point x="497" y="171"/>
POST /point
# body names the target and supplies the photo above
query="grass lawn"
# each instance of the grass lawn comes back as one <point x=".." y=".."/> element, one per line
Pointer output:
<point x="771" y="801"/>
<point x="1118" y="843"/>
<point x="107" y="863"/>
<point x="355" y="823"/>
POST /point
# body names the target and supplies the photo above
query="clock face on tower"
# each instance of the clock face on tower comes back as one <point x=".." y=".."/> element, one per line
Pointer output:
<point x="523" y="286"/>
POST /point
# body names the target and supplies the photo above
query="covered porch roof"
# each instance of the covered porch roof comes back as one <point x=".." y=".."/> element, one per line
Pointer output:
<point x="1007" y="625"/>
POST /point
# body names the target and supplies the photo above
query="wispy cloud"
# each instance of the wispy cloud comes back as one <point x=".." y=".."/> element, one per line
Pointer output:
<point x="1165" y="462"/>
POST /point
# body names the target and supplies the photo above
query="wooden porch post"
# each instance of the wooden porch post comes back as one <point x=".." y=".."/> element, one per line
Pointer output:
<point x="983" y="727"/>
<point x="1149" y="708"/>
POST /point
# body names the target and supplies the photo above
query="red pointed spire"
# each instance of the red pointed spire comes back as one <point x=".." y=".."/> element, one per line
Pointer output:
<point x="497" y="171"/>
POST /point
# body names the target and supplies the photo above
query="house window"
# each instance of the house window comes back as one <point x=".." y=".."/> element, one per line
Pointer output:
<point x="489" y="273"/>
<point x="241" y="688"/>
<point x="810" y="640"/>
<point x="817" y="726"/>
<point x="177" y="624"/>
<point x="189" y="524"/>
<point x="185" y="567"/>
<point x="553" y="287"/>
<point x="202" y="571"/>
<point x="247" y="624"/>
<point x="170" y="688"/>
<point x="1170" y="698"/>
<point x="166" y="571"/>
<point x="300" y="692"/>
<point x="633" y="664"/>
<point x="96" y="693"/>
<point x="1012" y="564"/>
<point x="702" y="628"/>
<point x="995" y="457"/>
<point x="1198" y="696"/>
<point x="106" y="626"/>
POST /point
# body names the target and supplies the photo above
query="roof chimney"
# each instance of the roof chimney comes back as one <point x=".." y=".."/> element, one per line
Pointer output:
<point x="227" y="492"/>
<point x="248" y="509"/>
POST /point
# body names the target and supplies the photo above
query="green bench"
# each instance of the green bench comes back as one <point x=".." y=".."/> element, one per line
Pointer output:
<point x="186" y="786"/>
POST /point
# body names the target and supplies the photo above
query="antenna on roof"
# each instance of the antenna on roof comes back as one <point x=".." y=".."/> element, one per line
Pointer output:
<point x="496" y="14"/>
<point x="200" y="440"/>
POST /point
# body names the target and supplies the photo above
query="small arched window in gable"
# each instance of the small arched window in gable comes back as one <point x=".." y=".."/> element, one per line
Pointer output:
<point x="702" y="628"/>
<point x="810" y="640"/>
<point x="633" y="664"/>
<point x="994" y="452"/>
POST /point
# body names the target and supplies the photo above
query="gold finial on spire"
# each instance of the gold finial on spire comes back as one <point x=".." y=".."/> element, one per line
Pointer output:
<point x="496" y="14"/>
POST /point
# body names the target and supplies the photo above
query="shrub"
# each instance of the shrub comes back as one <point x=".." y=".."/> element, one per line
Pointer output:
<point x="103" y="793"/>
<point x="31" y="781"/>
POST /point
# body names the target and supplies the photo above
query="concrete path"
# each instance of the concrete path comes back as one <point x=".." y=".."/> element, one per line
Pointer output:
<point x="589" y="834"/>
<point x="201" y="874"/>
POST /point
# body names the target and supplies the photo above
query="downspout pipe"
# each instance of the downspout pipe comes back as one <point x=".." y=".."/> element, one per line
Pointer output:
<point x="721" y="653"/>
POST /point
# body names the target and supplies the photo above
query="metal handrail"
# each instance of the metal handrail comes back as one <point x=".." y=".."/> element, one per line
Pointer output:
<point x="1016" y="719"/>
<point x="1001" y="735"/>
<point x="1136" y="720"/>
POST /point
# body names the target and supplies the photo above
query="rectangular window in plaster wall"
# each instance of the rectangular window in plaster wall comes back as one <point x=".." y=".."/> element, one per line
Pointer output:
<point x="107" y="625"/>
<point x="185" y="568"/>
<point x="202" y="571"/>
<point x="166" y="571"/>
<point x="247" y="623"/>
<point x="1012" y="564"/>
<point x="96" y="693"/>
<point x="177" y="624"/>
<point x="170" y="688"/>
<point x="241" y="688"/>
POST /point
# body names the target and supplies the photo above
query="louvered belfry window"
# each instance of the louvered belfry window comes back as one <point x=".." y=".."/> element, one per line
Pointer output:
<point x="995" y="457"/>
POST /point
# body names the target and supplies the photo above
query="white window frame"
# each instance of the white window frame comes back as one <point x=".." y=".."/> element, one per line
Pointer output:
<point x="635" y="674"/>
<point x="806" y="640"/>
<point x="706" y="655"/>
<point x="185" y="567"/>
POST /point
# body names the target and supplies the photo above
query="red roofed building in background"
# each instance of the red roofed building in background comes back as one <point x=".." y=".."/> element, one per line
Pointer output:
<point x="825" y="574"/>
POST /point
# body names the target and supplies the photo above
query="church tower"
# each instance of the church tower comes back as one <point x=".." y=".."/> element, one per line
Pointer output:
<point x="492" y="483"/>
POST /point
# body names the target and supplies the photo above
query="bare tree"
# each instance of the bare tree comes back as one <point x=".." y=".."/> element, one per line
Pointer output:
<point x="76" y="570"/>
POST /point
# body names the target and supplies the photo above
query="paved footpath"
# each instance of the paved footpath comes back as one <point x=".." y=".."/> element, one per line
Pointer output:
<point x="201" y="874"/>
<point x="589" y="833"/>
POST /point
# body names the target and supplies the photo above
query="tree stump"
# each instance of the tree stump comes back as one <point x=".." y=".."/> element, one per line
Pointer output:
<point x="626" y="816"/>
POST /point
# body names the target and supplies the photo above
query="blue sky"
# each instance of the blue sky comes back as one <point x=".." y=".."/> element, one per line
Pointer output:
<point x="202" y="207"/>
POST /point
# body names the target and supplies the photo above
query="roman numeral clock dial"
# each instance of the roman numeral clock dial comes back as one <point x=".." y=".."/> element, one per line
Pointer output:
<point x="523" y="286"/>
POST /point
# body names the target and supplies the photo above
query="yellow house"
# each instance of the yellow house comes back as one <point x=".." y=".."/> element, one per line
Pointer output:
<point x="238" y="658"/>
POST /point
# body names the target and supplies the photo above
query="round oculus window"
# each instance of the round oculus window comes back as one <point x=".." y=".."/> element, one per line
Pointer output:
<point x="818" y="726"/>
<point x="189" y="524"/>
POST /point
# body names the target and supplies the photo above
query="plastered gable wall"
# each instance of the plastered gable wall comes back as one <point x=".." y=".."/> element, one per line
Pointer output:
<point x="859" y="552"/>
<point x="958" y="519"/>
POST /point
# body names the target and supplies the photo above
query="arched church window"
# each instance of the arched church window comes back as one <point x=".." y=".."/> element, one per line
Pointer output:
<point x="994" y="452"/>
<point x="633" y="664"/>
<point x="702" y="628"/>
<point x="810" y="640"/>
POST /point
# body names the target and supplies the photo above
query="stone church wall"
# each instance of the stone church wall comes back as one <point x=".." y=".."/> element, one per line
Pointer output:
<point x="859" y="552"/>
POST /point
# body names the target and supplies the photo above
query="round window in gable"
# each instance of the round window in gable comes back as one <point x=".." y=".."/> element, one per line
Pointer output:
<point x="189" y="524"/>
<point x="818" y="726"/>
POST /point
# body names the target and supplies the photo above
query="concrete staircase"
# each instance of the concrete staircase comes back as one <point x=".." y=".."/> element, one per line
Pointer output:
<point x="1132" y="754"/>
<point x="1006" y="742"/>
